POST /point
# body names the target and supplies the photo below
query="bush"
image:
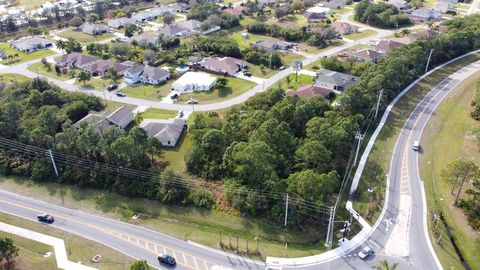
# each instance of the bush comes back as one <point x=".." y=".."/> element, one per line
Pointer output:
<point x="201" y="198"/>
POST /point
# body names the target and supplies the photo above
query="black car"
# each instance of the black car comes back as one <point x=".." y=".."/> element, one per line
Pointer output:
<point x="45" y="218"/>
<point x="166" y="259"/>
<point x="248" y="74"/>
<point x="112" y="87"/>
<point x="174" y="96"/>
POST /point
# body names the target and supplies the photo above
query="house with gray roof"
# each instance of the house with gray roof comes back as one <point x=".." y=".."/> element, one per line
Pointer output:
<point x="121" y="118"/>
<point x="76" y="60"/>
<point x="314" y="17"/>
<point x="168" y="132"/>
<point x="145" y="37"/>
<point x="272" y="44"/>
<point x="120" y="22"/>
<point x="3" y="54"/>
<point x="179" y="7"/>
<point x="93" y="28"/>
<point x="173" y="31"/>
<point x="366" y="55"/>
<point x="31" y="44"/>
<point x="333" y="80"/>
<point x="425" y="13"/>
<point x="386" y="45"/>
<point x="146" y="74"/>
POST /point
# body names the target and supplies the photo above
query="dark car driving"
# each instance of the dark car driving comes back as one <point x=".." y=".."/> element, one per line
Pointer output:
<point x="45" y="218"/>
<point x="166" y="259"/>
<point x="112" y="87"/>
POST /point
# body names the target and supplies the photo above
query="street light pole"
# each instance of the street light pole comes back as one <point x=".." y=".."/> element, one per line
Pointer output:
<point x="428" y="61"/>
<point x="286" y="210"/>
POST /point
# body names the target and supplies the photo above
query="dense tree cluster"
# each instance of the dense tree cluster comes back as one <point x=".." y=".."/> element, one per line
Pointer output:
<point x="224" y="20"/>
<point x="273" y="143"/>
<point x="258" y="56"/>
<point x="401" y="66"/>
<point x="380" y="15"/>
<point x="219" y="45"/>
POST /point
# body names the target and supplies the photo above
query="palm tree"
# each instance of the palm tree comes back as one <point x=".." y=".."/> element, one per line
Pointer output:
<point x="404" y="32"/>
<point x="61" y="45"/>
<point x="384" y="265"/>
<point x="297" y="67"/>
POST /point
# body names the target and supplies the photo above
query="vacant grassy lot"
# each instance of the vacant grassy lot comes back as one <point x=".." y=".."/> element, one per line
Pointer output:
<point x="82" y="37"/>
<point x="31" y="4"/>
<point x="360" y="35"/>
<point x="149" y="91"/>
<point x="22" y="57"/>
<point x="447" y="137"/>
<point x="291" y="83"/>
<point x="10" y="78"/>
<point x="235" y="87"/>
<point x="49" y="72"/>
<point x="158" y="114"/>
<point x="97" y="83"/>
<point x="188" y="223"/>
<point x="257" y="71"/>
<point x="78" y="249"/>
<point x="368" y="204"/>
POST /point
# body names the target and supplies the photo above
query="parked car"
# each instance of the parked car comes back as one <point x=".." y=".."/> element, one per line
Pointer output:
<point x="367" y="251"/>
<point x="282" y="67"/>
<point x="112" y="87"/>
<point x="166" y="259"/>
<point x="120" y="94"/>
<point x="45" y="218"/>
<point x="180" y="114"/>
<point x="247" y="74"/>
<point x="174" y="96"/>
<point x="121" y="39"/>
<point x="192" y="101"/>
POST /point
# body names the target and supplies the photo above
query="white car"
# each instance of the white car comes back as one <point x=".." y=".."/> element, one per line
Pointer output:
<point x="416" y="146"/>
<point x="367" y="251"/>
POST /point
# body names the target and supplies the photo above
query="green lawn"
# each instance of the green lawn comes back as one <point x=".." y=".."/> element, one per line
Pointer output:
<point x="175" y="157"/>
<point x="291" y="83"/>
<point x="97" y="83"/>
<point x="30" y="255"/>
<point x="341" y="11"/>
<point x="246" y="21"/>
<point x="244" y="43"/>
<point x="186" y="223"/>
<point x="288" y="58"/>
<point x="360" y="35"/>
<point x="78" y="248"/>
<point x="22" y="57"/>
<point x="368" y="204"/>
<point x="8" y="78"/>
<point x="447" y="137"/>
<point x="149" y="91"/>
<point x="290" y="21"/>
<point x="31" y="4"/>
<point x="42" y="69"/>
<point x="234" y="88"/>
<point x="82" y="37"/>
<point x="158" y="114"/>
<point x="257" y="71"/>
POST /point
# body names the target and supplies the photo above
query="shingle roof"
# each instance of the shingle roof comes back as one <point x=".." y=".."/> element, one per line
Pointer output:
<point x="120" y="115"/>
<point x="28" y="41"/>
<point x="148" y="37"/>
<point x="334" y="77"/>
<point x="98" y="122"/>
<point x="387" y="45"/>
<point x="367" y="54"/>
<point x="164" y="130"/>
<point x="154" y="72"/>
<point x="309" y="90"/>
<point x="75" y="57"/>
<point x="190" y="25"/>
<point x="93" y="28"/>
<point x="228" y="64"/>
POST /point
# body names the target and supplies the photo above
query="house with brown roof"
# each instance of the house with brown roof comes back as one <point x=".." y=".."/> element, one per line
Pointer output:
<point x="101" y="68"/>
<point x="235" y="11"/>
<point x="76" y="60"/>
<point x="225" y="65"/>
<point x="386" y="45"/>
<point x="344" y="28"/>
<point x="366" y="55"/>
<point x="314" y="16"/>
<point x="310" y="90"/>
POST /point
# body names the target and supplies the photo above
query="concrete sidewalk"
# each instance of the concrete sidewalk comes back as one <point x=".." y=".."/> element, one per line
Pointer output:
<point x="57" y="244"/>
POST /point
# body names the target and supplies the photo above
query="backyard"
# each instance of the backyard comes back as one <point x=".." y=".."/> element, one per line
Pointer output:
<point x="82" y="37"/>
<point x="22" y="57"/>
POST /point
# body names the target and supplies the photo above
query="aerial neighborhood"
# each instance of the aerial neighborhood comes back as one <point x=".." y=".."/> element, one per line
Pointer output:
<point x="271" y="130"/>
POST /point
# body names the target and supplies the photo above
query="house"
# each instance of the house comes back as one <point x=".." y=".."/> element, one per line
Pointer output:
<point x="31" y="44"/>
<point x="263" y="3"/>
<point x="366" y="55"/>
<point x="404" y="40"/>
<point x="314" y="17"/>
<point x="325" y="32"/>
<point x="386" y="45"/>
<point x="76" y="60"/>
<point x="310" y="90"/>
<point x="194" y="60"/>
<point x="101" y="67"/>
<point x="145" y="37"/>
<point x="179" y="7"/>
<point x="333" y="80"/>
<point x="191" y="25"/>
<point x="425" y="13"/>
<point x="397" y="3"/>
<point x="335" y="4"/>
<point x="235" y="11"/>
<point x="120" y="22"/>
<point x="318" y="9"/>
<point x="121" y="117"/>
<point x="168" y="132"/>
<point x="93" y="28"/>
<point x="161" y="11"/>
<point x="146" y="74"/>
<point x="271" y="45"/>
<point x="344" y="28"/>
<point x="423" y="34"/>
<point x="174" y="31"/>
<point x="443" y="7"/>
<point x="194" y="81"/>
<point x="143" y="16"/>
<point x="225" y="65"/>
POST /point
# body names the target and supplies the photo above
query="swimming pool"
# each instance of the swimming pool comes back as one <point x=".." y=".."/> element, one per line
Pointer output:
<point x="182" y="68"/>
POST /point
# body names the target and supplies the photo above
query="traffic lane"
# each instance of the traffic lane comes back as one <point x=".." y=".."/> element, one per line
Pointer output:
<point x="134" y="236"/>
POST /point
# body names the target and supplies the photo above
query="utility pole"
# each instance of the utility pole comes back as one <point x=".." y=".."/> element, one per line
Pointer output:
<point x="378" y="103"/>
<point x="428" y="61"/>
<point x="359" y="138"/>
<point x="53" y="161"/>
<point x="328" y="242"/>
<point x="286" y="210"/>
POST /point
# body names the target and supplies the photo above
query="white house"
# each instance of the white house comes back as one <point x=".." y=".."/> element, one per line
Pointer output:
<point x="194" y="81"/>
<point x="31" y="44"/>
